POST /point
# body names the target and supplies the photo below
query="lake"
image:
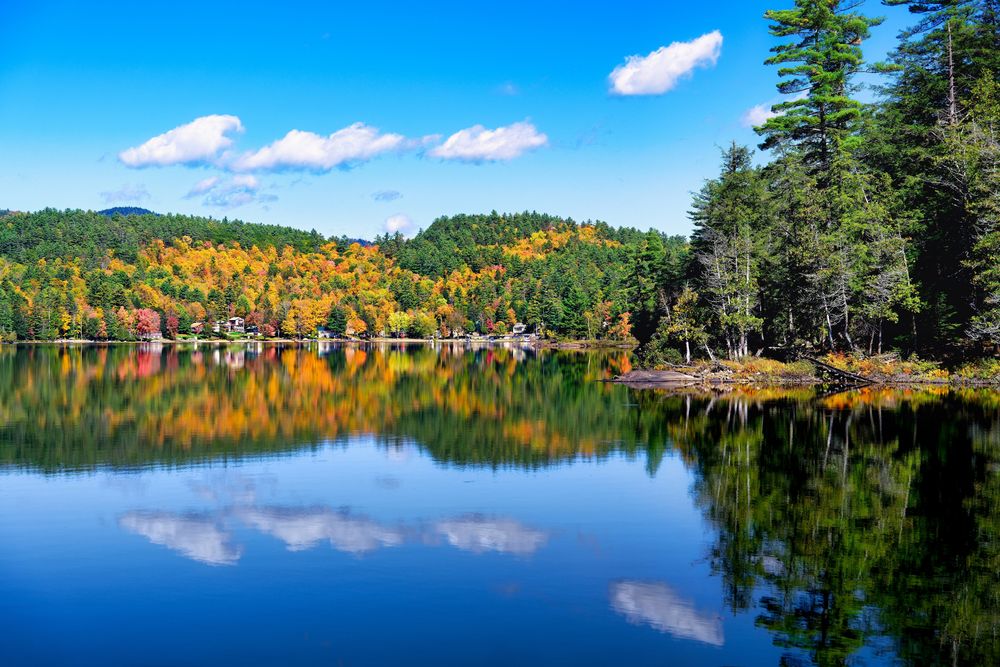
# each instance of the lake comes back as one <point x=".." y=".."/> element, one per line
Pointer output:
<point x="333" y="505"/>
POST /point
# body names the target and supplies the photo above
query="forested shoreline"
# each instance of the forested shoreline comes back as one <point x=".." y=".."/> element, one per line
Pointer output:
<point x="874" y="226"/>
<point x="871" y="227"/>
<point x="80" y="274"/>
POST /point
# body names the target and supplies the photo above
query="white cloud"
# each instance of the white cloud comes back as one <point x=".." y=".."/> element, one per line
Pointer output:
<point x="125" y="194"/>
<point x="207" y="141"/>
<point x="658" y="606"/>
<point x="203" y="186"/>
<point x="757" y="115"/>
<point x="660" y="71"/>
<point x="195" y="536"/>
<point x="302" y="529"/>
<point x="480" y="534"/>
<point x="229" y="193"/>
<point x="198" y="142"/>
<point x="398" y="223"/>
<point x="307" y="150"/>
<point x="478" y="144"/>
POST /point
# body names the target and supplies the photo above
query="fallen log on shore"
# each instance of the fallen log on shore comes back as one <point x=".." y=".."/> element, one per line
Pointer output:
<point x="843" y="376"/>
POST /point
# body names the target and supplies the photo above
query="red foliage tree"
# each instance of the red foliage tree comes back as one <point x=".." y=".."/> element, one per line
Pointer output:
<point x="254" y="318"/>
<point x="147" y="322"/>
<point x="172" y="325"/>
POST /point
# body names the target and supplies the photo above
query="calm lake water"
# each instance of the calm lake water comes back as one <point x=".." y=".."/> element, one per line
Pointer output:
<point x="419" y="506"/>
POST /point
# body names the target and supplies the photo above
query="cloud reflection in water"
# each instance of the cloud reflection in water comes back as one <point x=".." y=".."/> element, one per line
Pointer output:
<point x="304" y="528"/>
<point x="657" y="605"/>
<point x="197" y="536"/>
<point x="480" y="534"/>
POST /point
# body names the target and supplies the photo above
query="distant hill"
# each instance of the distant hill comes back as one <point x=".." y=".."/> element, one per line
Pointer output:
<point x="126" y="210"/>
<point x="89" y="235"/>
<point x="346" y="240"/>
<point x="135" y="210"/>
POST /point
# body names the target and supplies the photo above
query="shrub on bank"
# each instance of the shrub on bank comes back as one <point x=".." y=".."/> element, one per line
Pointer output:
<point x="984" y="370"/>
<point x="888" y="366"/>
<point x="752" y="369"/>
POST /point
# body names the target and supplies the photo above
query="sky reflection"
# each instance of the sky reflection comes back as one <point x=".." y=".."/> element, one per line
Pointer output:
<point x="304" y="528"/>
<point x="655" y="604"/>
<point x="480" y="534"/>
<point x="198" y="537"/>
<point x="201" y="537"/>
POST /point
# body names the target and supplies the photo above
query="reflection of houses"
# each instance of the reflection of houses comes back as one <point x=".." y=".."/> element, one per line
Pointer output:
<point x="235" y="358"/>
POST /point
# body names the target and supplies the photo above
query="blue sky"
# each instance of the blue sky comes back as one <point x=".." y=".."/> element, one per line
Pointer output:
<point x="353" y="117"/>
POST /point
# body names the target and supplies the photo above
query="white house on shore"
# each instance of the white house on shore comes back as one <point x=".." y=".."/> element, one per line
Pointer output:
<point x="232" y="325"/>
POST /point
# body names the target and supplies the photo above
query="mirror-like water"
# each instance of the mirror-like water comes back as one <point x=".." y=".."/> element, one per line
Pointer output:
<point x="450" y="507"/>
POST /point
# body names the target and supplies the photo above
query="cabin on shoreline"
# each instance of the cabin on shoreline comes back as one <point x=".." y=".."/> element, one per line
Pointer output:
<point x="232" y="325"/>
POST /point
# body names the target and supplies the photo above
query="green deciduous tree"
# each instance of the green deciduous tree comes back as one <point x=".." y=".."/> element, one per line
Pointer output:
<point x="399" y="323"/>
<point x="685" y="324"/>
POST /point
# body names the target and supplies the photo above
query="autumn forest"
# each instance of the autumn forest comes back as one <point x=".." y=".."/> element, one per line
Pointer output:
<point x="76" y="274"/>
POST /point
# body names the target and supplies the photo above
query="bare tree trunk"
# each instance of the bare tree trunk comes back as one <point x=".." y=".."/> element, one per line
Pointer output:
<point x="847" y="321"/>
<point x="746" y="300"/>
<point x="952" y="99"/>
<point x="913" y="315"/>
<point x="829" y="322"/>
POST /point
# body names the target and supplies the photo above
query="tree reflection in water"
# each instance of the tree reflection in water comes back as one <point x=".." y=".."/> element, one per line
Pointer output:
<point x="863" y="519"/>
